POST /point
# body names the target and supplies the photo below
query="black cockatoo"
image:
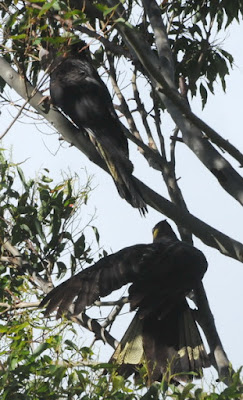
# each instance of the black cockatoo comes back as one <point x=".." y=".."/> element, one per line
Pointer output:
<point x="77" y="89"/>
<point x="163" y="332"/>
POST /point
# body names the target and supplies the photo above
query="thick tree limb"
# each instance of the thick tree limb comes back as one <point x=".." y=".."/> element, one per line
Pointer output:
<point x="164" y="51"/>
<point x="161" y="39"/>
<point x="206" y="319"/>
<point x="188" y="123"/>
<point x="210" y="236"/>
<point x="71" y="134"/>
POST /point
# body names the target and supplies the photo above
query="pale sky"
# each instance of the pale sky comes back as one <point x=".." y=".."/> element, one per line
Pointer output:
<point x="120" y="225"/>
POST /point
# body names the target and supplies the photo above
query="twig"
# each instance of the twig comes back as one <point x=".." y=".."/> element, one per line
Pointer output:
<point x="210" y="236"/>
<point x="93" y="326"/>
<point x="123" y="104"/>
<point x="14" y="251"/>
<point x="120" y="302"/>
<point x="113" y="314"/>
<point x="142" y="111"/>
<point x="22" y="304"/>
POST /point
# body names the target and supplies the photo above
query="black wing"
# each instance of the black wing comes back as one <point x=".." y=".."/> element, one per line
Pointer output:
<point x="108" y="274"/>
<point x="160" y="274"/>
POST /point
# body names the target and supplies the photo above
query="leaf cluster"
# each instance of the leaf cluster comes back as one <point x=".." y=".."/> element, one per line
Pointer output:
<point x="50" y="366"/>
<point x="199" y="58"/>
<point x="37" y="359"/>
<point x="38" y="231"/>
<point x="191" y="26"/>
<point x="39" y="235"/>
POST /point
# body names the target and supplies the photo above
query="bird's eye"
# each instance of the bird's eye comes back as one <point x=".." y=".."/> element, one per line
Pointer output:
<point x="83" y="74"/>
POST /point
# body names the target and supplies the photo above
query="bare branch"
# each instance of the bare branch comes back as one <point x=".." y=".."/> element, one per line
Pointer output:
<point x="21" y="304"/>
<point x="113" y="314"/>
<point x="186" y="121"/>
<point x="161" y="38"/>
<point x="14" y="120"/>
<point x="210" y="236"/>
<point x="93" y="326"/>
<point x="120" y="302"/>
<point x="123" y="104"/>
<point x="142" y="111"/>
<point x="206" y="319"/>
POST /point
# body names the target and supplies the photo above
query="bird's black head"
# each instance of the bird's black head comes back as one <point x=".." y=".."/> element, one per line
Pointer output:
<point x="162" y="230"/>
<point x="52" y="55"/>
<point x="78" y="48"/>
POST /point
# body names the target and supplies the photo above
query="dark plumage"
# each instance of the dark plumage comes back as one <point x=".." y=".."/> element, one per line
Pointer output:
<point x="77" y="89"/>
<point x="164" y="331"/>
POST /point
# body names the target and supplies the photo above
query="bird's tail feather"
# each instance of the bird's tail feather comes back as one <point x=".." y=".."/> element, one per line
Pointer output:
<point x="120" y="168"/>
<point x="169" y="347"/>
<point x="192" y="353"/>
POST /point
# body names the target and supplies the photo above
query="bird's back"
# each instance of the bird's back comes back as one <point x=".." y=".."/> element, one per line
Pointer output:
<point x="78" y="90"/>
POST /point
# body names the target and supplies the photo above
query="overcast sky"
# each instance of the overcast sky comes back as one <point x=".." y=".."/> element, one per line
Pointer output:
<point x="120" y="225"/>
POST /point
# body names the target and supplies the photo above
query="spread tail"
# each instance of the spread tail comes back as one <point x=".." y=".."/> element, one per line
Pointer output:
<point x="170" y="346"/>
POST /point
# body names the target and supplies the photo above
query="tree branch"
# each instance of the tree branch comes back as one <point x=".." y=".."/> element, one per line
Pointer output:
<point x="93" y="326"/>
<point x="205" y="318"/>
<point x="187" y="122"/>
<point x="210" y="236"/>
<point x="21" y="304"/>
<point x="69" y="132"/>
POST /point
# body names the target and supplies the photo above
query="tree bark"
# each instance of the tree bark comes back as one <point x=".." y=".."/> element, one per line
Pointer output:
<point x="186" y="121"/>
<point x="210" y="236"/>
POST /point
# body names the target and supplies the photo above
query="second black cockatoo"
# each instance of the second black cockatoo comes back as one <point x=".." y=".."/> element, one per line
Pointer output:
<point x="163" y="332"/>
<point x="77" y="89"/>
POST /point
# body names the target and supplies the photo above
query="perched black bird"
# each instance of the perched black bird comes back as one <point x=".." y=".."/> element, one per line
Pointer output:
<point x="77" y="89"/>
<point x="163" y="332"/>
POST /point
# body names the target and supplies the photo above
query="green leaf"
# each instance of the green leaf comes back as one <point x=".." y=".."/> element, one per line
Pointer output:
<point x="79" y="246"/>
<point x="62" y="269"/>
<point x="46" y="179"/>
<point x="73" y="264"/>
<point x="106" y="10"/>
<point x="71" y="345"/>
<point x="118" y="382"/>
<point x="39" y="230"/>
<point x="26" y="228"/>
<point x="186" y="391"/>
<point x="4" y="328"/>
<point x="204" y="95"/>
<point x="16" y="37"/>
<point x="97" y="235"/>
<point x="46" y="7"/>
<point x="13" y="362"/>
<point x="42" y="347"/>
<point x="22" y="177"/>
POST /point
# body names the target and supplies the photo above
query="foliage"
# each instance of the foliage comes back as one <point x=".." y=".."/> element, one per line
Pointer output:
<point x="38" y="238"/>
<point x="39" y="359"/>
<point x="191" y="27"/>
<point x="38" y="220"/>
<point x="38" y="235"/>
<point x="48" y="366"/>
